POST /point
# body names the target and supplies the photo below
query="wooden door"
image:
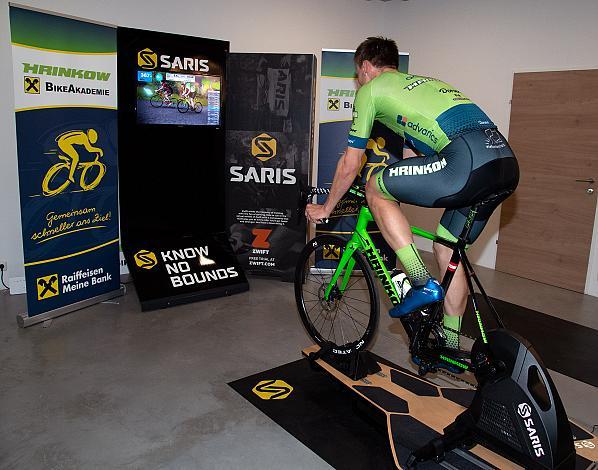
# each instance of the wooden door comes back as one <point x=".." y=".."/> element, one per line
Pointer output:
<point x="546" y="226"/>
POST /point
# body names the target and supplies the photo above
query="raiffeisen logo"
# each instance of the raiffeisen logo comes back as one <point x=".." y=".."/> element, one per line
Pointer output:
<point x="147" y="59"/>
<point x="263" y="147"/>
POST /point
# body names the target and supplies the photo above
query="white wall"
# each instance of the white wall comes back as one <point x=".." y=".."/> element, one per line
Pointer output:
<point x="475" y="45"/>
<point x="304" y="26"/>
<point x="478" y="45"/>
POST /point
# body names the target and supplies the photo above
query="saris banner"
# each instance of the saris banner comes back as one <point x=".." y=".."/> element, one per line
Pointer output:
<point x="65" y="111"/>
<point x="338" y="86"/>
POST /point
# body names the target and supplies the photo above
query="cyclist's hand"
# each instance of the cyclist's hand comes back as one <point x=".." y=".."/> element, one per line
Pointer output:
<point x="316" y="213"/>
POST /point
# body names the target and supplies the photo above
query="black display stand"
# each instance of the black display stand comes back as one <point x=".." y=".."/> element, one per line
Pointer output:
<point x="174" y="272"/>
<point x="171" y="167"/>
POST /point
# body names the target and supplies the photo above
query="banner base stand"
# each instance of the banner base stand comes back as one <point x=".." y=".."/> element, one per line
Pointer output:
<point x="23" y="320"/>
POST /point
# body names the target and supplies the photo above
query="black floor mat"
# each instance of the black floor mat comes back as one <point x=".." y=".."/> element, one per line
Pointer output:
<point x="325" y="416"/>
<point x="564" y="346"/>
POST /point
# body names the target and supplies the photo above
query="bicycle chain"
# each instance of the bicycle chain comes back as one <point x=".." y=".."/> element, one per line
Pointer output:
<point x="451" y="375"/>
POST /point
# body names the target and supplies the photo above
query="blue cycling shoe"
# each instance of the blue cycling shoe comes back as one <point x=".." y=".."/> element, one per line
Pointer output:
<point x="418" y="297"/>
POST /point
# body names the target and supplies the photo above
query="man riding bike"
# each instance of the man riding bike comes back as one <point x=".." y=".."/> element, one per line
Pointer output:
<point x="67" y="142"/>
<point x="166" y="90"/>
<point x="456" y="157"/>
<point x="187" y="93"/>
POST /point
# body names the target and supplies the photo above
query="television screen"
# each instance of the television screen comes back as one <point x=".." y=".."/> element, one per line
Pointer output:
<point x="178" y="99"/>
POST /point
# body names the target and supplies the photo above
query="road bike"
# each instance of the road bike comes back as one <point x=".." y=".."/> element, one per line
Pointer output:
<point x="52" y="184"/>
<point x="160" y="99"/>
<point x="184" y="105"/>
<point x="338" y="303"/>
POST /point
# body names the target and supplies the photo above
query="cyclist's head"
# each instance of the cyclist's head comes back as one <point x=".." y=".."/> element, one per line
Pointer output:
<point x="375" y="52"/>
<point x="92" y="135"/>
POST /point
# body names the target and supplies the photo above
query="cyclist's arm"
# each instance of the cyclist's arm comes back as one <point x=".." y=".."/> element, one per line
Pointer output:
<point x="346" y="170"/>
<point x="91" y="149"/>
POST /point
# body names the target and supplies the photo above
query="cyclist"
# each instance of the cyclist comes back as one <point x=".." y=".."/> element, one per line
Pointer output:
<point x="456" y="157"/>
<point x="166" y="90"/>
<point x="187" y="93"/>
<point x="67" y="141"/>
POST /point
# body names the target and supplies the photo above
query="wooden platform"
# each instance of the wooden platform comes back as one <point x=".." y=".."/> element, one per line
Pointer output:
<point x="425" y="409"/>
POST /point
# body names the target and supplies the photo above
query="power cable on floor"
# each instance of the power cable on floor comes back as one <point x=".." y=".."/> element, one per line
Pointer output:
<point x="2" y="275"/>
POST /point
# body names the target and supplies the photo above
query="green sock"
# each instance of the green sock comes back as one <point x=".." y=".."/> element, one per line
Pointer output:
<point x="414" y="266"/>
<point x="454" y="323"/>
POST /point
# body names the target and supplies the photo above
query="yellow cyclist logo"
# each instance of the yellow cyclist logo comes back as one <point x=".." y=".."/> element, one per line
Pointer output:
<point x="376" y="146"/>
<point x="91" y="172"/>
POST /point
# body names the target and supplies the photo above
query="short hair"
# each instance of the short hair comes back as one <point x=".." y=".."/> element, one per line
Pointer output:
<point x="380" y="51"/>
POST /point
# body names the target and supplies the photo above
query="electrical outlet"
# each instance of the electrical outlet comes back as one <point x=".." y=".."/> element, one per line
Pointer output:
<point x="5" y="263"/>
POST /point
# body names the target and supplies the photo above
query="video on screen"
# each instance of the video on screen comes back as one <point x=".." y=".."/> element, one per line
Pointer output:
<point x="178" y="99"/>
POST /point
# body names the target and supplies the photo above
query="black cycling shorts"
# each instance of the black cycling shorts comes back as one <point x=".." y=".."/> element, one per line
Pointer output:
<point x="469" y="169"/>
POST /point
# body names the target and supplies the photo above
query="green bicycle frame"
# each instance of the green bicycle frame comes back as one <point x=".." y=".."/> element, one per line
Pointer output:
<point x="361" y="241"/>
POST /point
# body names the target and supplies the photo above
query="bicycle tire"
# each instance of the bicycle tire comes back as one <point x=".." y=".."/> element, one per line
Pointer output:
<point x="198" y="107"/>
<point x="86" y="167"/>
<point x="156" y="101"/>
<point x="182" y="106"/>
<point x="49" y="178"/>
<point x="366" y="321"/>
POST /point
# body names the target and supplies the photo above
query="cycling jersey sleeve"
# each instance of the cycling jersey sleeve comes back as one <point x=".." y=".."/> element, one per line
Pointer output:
<point x="364" y="113"/>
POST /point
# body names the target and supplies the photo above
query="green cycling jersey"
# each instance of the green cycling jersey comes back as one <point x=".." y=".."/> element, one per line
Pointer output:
<point x="426" y="112"/>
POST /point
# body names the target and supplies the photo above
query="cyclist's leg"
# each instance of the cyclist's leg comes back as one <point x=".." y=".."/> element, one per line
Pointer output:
<point x="419" y="181"/>
<point x="491" y="176"/>
<point x="71" y="153"/>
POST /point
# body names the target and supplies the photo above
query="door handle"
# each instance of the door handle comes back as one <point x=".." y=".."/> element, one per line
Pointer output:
<point x="588" y="180"/>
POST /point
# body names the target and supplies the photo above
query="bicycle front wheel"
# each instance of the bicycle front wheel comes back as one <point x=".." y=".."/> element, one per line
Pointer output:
<point x="347" y="319"/>
<point x="198" y="107"/>
<point x="182" y="106"/>
<point x="156" y="101"/>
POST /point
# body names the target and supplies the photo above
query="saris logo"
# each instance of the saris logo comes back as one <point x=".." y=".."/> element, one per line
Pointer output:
<point x="145" y="259"/>
<point x="263" y="147"/>
<point x="148" y="60"/>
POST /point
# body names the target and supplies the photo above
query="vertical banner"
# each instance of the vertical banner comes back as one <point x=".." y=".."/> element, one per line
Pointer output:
<point x="65" y="109"/>
<point x="338" y="86"/>
<point x="268" y="156"/>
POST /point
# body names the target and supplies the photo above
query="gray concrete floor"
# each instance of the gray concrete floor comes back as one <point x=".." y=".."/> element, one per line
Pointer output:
<point x="112" y="387"/>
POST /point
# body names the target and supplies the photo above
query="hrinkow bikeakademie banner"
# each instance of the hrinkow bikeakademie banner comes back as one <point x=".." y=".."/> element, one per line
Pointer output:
<point x="338" y="86"/>
<point x="65" y="110"/>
